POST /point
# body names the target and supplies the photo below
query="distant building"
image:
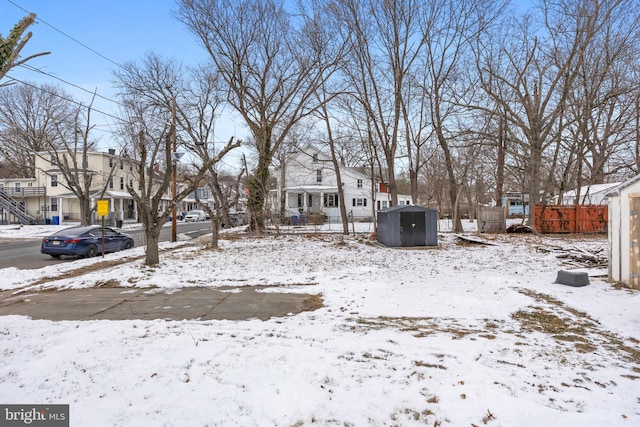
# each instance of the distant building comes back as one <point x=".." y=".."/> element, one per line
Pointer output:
<point x="47" y="196"/>
<point x="516" y="204"/>
<point x="309" y="186"/>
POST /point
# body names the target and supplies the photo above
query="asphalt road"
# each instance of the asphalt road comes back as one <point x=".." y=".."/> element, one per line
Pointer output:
<point x="25" y="253"/>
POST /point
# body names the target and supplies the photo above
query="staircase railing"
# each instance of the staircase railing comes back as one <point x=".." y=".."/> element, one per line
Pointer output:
<point x="16" y="209"/>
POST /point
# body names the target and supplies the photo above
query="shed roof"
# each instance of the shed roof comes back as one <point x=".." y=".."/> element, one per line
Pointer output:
<point x="408" y="208"/>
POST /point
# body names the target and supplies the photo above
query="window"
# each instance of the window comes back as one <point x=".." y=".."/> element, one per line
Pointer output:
<point x="54" y="180"/>
<point x="53" y="161"/>
<point x="122" y="183"/>
<point x="54" y="204"/>
<point x="111" y="183"/>
<point x="131" y="183"/>
<point x="121" y="164"/>
<point x="359" y="183"/>
<point x="319" y="176"/>
<point x="331" y="201"/>
<point x="110" y="162"/>
<point x="384" y="204"/>
<point x="315" y="158"/>
<point x="359" y="202"/>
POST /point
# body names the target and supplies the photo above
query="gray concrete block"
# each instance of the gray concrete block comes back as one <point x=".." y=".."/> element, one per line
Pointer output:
<point x="572" y="278"/>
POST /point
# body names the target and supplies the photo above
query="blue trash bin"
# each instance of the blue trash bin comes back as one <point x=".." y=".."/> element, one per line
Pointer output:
<point x="294" y="219"/>
<point x="47" y="221"/>
<point x="56" y="220"/>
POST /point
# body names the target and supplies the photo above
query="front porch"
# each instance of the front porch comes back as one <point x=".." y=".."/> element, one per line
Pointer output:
<point x="309" y="203"/>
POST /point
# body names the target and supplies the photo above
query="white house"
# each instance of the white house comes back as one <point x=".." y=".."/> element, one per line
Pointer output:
<point x="309" y="186"/>
<point x="624" y="233"/>
<point x="595" y="194"/>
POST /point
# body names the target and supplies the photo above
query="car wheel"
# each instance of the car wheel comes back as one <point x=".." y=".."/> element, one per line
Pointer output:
<point x="55" y="255"/>
<point x="129" y="244"/>
<point x="92" y="251"/>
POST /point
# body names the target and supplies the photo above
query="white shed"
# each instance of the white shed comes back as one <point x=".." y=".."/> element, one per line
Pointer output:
<point x="624" y="233"/>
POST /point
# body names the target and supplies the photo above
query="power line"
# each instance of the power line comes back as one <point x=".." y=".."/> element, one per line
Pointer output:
<point x="73" y="101"/>
<point x="36" y="70"/>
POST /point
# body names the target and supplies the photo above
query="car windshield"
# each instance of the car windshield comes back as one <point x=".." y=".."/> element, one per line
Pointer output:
<point x="194" y="213"/>
<point x="74" y="231"/>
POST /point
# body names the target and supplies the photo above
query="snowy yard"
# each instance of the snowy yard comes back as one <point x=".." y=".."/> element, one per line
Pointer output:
<point x="459" y="335"/>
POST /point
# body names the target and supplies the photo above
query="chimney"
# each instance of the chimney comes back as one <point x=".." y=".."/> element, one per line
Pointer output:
<point x="112" y="151"/>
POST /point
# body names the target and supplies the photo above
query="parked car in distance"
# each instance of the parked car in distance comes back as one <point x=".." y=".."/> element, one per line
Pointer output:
<point x="196" y="215"/>
<point x="85" y="241"/>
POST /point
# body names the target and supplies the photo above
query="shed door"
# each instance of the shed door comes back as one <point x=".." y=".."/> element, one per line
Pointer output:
<point x="634" y="242"/>
<point x="412" y="228"/>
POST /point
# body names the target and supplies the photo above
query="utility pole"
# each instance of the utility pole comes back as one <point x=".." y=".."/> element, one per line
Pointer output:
<point x="174" y="166"/>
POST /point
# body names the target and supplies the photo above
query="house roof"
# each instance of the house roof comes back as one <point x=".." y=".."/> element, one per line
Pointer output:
<point x="108" y="193"/>
<point x="616" y="191"/>
<point x="591" y="189"/>
<point x="312" y="188"/>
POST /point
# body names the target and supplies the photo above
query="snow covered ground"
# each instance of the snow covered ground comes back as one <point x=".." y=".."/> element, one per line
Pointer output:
<point x="461" y="335"/>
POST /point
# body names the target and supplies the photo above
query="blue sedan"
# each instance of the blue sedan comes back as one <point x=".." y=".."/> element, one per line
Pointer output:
<point x="85" y="241"/>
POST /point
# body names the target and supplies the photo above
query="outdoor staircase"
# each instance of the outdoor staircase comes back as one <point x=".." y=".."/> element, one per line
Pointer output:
<point x="16" y="209"/>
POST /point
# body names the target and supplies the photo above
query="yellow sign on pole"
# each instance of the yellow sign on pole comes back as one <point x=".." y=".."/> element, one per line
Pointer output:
<point x="103" y="208"/>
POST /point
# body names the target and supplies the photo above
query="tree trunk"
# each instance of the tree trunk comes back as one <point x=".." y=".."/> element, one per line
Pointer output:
<point x="258" y="188"/>
<point x="535" y="161"/>
<point x="453" y="185"/>
<point x="413" y="178"/>
<point x="152" y="252"/>
<point x="500" y="171"/>
<point x="215" y="230"/>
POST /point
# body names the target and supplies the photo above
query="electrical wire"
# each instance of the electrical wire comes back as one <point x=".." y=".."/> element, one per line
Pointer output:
<point x="36" y="70"/>
<point x="73" y="101"/>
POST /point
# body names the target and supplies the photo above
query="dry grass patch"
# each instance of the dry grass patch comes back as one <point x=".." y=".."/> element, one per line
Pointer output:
<point x="313" y="302"/>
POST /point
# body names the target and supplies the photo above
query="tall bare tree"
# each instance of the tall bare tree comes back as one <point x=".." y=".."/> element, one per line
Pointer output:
<point x="260" y="50"/>
<point x="532" y="72"/>
<point x="387" y="37"/>
<point x="166" y="101"/>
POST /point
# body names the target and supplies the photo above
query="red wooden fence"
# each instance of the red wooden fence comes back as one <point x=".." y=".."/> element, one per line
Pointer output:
<point x="571" y="218"/>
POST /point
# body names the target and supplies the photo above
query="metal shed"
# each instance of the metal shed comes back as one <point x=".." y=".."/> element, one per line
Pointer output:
<point x="624" y="233"/>
<point x="406" y="226"/>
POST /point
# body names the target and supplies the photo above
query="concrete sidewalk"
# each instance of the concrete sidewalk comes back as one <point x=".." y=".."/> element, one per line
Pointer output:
<point x="119" y="303"/>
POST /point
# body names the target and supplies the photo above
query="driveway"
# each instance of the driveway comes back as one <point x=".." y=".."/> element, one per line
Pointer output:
<point x="120" y="303"/>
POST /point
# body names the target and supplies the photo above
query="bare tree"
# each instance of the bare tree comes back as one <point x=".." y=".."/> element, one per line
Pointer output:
<point x="154" y="93"/>
<point x="70" y="156"/>
<point x="11" y="46"/>
<point x="387" y="37"/>
<point x="261" y="52"/>
<point x="453" y="27"/>
<point x="600" y="107"/>
<point x="33" y="118"/>
<point x="530" y="77"/>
